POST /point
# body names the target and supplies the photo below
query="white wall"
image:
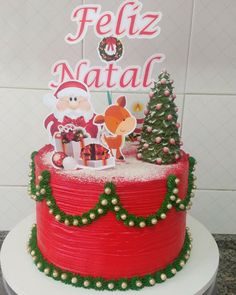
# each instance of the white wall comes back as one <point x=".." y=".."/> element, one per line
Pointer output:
<point x="199" y="40"/>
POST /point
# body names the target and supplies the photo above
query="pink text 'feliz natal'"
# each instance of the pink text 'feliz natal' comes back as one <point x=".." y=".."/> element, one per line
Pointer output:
<point x="128" y="21"/>
<point x="109" y="77"/>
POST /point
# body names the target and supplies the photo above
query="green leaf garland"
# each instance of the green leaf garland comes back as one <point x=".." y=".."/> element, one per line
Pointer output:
<point x="110" y="201"/>
<point x="123" y="284"/>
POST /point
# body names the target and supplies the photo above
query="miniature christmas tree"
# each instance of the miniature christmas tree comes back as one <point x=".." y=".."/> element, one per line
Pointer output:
<point x="160" y="140"/>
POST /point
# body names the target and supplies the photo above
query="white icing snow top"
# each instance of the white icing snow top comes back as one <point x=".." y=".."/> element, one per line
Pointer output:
<point x="132" y="169"/>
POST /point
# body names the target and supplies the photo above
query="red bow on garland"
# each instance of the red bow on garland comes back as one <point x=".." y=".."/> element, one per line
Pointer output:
<point x="111" y="43"/>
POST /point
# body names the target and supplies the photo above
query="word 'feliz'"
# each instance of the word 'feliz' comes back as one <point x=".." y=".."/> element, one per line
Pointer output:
<point x="128" y="21"/>
<point x="110" y="76"/>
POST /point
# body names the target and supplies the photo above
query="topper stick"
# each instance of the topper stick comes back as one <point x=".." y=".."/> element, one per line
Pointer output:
<point x="109" y="97"/>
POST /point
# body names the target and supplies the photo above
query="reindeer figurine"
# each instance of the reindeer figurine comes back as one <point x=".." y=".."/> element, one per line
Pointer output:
<point x="120" y="123"/>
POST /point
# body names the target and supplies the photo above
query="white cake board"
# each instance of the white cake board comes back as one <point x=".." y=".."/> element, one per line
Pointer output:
<point x="23" y="277"/>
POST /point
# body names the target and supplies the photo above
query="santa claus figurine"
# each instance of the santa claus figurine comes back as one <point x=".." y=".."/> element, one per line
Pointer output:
<point x="71" y="105"/>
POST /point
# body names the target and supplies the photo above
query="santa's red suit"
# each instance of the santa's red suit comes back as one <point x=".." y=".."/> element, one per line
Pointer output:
<point x="51" y="123"/>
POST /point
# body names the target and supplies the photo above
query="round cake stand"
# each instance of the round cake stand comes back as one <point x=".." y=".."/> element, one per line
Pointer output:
<point x="22" y="277"/>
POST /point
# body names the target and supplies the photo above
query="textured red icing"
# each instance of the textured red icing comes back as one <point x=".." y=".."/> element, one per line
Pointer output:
<point x="107" y="248"/>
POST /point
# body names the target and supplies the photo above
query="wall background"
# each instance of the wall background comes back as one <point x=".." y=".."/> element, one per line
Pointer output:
<point x="199" y="40"/>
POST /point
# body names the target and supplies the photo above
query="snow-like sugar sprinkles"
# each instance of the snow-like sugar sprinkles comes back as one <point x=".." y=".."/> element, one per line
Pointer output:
<point x="132" y="169"/>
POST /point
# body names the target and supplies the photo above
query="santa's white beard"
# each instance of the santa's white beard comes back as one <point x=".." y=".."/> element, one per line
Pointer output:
<point x="73" y="114"/>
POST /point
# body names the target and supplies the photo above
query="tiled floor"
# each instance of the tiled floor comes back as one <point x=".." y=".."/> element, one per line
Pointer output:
<point x="226" y="281"/>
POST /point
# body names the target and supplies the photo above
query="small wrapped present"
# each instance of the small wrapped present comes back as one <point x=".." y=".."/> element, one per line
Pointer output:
<point x="62" y="144"/>
<point x="65" y="138"/>
<point x="77" y="145"/>
<point x="94" y="155"/>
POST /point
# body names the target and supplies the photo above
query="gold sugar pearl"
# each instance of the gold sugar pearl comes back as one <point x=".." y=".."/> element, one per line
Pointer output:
<point x="40" y="177"/>
<point x="142" y="224"/>
<point x="46" y="271"/>
<point x="131" y="223"/>
<point x="107" y="191"/>
<point x="74" y="280"/>
<point x="55" y="274"/>
<point x="114" y="201"/>
<point x="152" y="282"/>
<point x="163" y="216"/>
<point x="100" y="211"/>
<point x="104" y="202"/>
<point x="98" y="284"/>
<point x="163" y="277"/>
<point x="172" y="198"/>
<point x="86" y="283"/>
<point x="67" y="222"/>
<point x="175" y="191"/>
<point x="111" y="286"/>
<point x="123" y="217"/>
<point x="92" y="215"/>
<point x="75" y="222"/>
<point x="64" y="276"/>
<point x="58" y="217"/>
<point x="139" y="284"/>
<point x="154" y="221"/>
<point x="177" y="180"/>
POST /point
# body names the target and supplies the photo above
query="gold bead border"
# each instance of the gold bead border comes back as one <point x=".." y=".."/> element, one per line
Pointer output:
<point x="110" y="201"/>
<point x="123" y="284"/>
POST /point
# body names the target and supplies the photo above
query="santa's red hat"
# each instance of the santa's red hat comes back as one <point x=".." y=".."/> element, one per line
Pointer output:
<point x="73" y="88"/>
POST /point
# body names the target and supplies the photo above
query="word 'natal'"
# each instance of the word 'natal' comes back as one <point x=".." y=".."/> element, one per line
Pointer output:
<point x="129" y="22"/>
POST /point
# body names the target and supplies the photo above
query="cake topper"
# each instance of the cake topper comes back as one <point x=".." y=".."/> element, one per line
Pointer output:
<point x="70" y="104"/>
<point x="130" y="22"/>
<point x="119" y="122"/>
<point x="72" y="131"/>
<point x="160" y="140"/>
<point x="110" y="49"/>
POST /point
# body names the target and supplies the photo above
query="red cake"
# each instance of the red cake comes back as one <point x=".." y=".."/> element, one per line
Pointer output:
<point x="132" y="217"/>
<point x="112" y="217"/>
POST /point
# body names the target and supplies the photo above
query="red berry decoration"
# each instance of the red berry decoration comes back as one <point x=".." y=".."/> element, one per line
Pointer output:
<point x="158" y="139"/>
<point x="139" y="156"/>
<point x="113" y="45"/>
<point x="167" y="93"/>
<point x="58" y="158"/>
<point x="151" y="95"/>
<point x="166" y="150"/>
<point x="172" y="141"/>
<point x="159" y="106"/>
<point x="163" y="81"/>
<point x="177" y="125"/>
<point x="159" y="161"/>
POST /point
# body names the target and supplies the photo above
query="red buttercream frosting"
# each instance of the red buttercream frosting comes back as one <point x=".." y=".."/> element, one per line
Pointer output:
<point x="107" y="248"/>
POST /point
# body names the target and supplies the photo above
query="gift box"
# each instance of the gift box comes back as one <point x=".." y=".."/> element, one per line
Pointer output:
<point x="61" y="144"/>
<point x="87" y="152"/>
<point x="65" y="138"/>
<point x="94" y="152"/>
